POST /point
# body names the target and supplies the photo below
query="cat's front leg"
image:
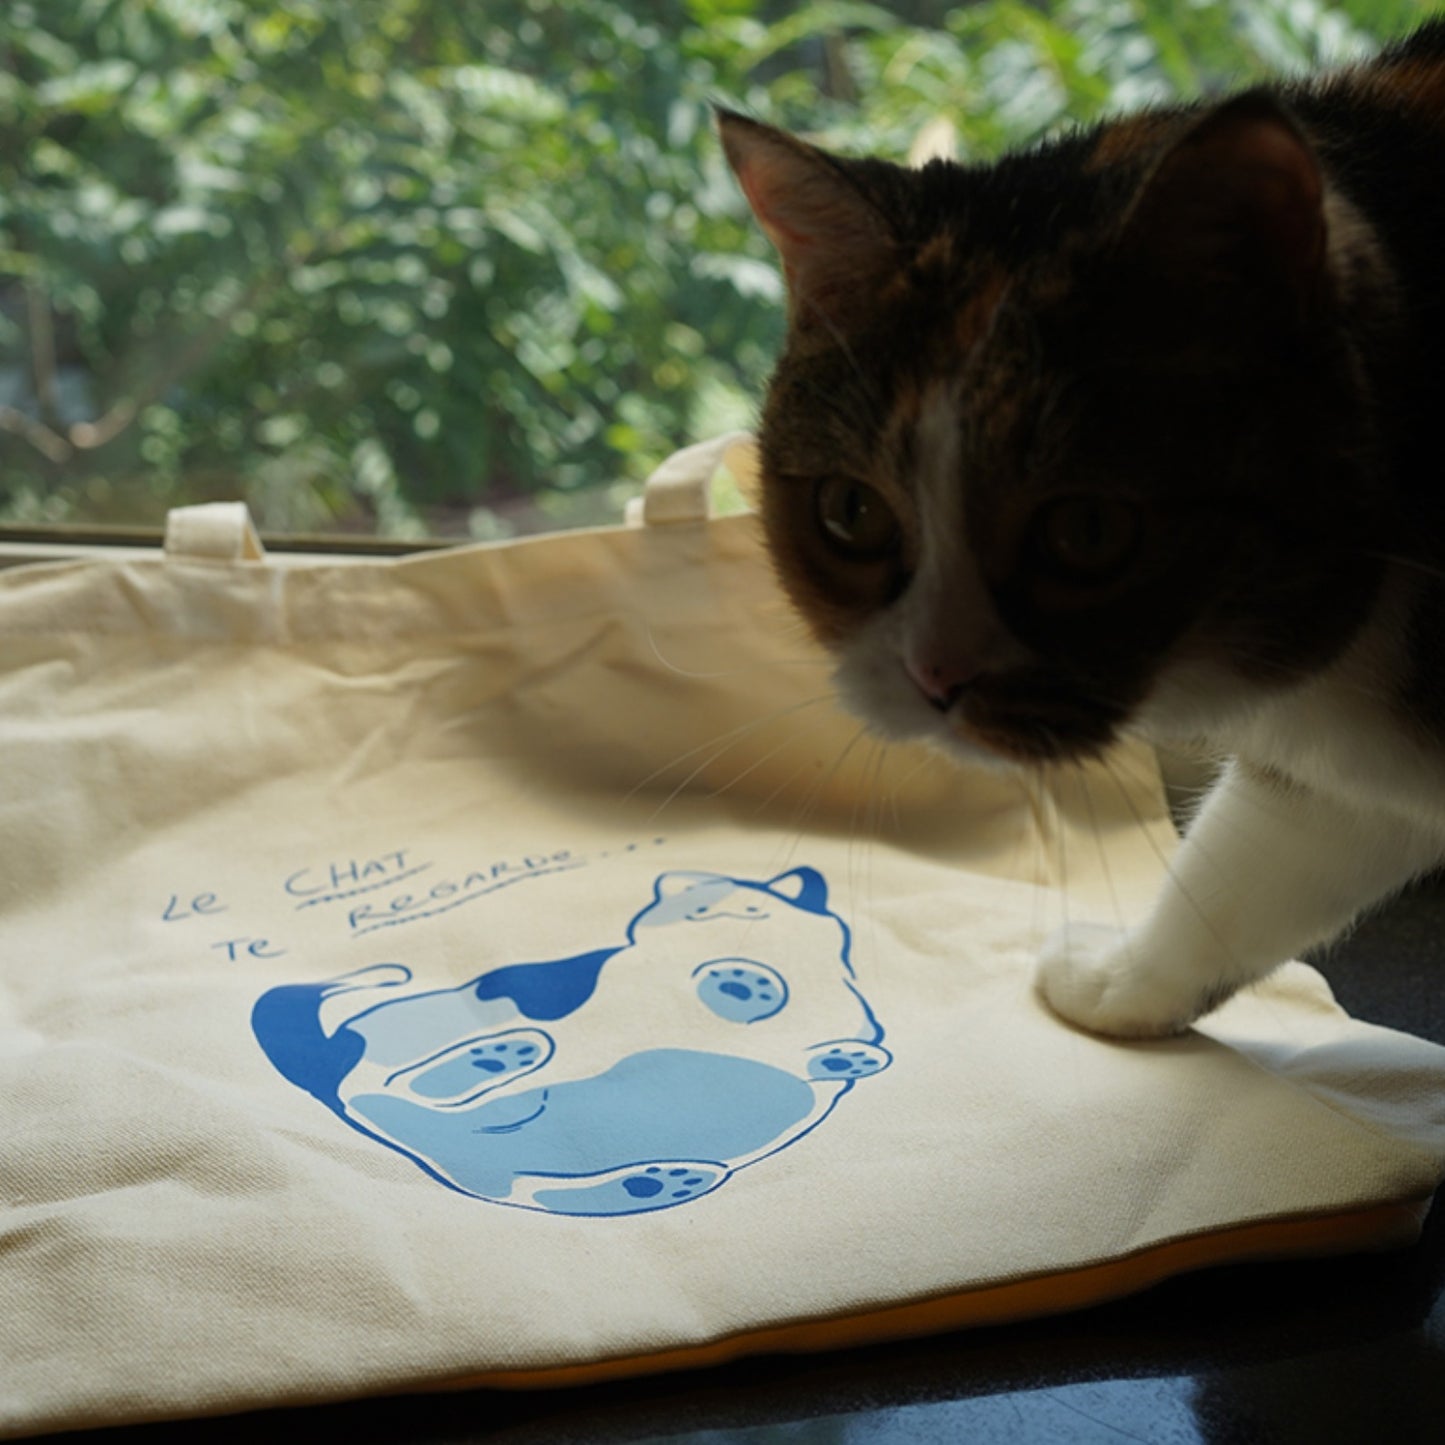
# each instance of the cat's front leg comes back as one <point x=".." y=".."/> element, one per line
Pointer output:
<point x="1267" y="870"/>
<point x="1112" y="982"/>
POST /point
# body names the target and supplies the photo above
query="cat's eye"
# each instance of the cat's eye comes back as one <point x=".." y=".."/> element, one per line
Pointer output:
<point x="855" y="520"/>
<point x="1087" y="538"/>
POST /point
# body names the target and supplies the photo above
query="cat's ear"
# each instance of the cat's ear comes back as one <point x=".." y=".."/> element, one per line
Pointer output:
<point x="1239" y="195"/>
<point x="834" y="243"/>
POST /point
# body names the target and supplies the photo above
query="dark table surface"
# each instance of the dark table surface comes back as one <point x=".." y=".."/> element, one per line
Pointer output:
<point x="1340" y="1350"/>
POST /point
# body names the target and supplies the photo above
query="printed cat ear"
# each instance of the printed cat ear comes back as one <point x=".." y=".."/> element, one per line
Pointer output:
<point x="804" y="886"/>
<point x="670" y="885"/>
<point x="834" y="243"/>
<point x="1239" y="194"/>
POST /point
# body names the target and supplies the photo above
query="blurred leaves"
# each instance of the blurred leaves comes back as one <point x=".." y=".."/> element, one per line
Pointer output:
<point x="405" y="265"/>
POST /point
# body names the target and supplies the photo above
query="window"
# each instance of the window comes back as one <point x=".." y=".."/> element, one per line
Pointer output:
<point x="468" y="268"/>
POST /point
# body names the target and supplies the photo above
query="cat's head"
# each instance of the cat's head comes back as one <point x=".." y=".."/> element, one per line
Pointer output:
<point x="1078" y="437"/>
<point x="688" y="897"/>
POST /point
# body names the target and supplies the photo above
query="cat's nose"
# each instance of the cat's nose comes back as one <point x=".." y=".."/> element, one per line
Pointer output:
<point x="942" y="682"/>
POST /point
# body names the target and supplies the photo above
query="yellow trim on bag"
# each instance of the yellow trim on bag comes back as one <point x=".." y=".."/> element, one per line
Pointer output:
<point x="1380" y="1227"/>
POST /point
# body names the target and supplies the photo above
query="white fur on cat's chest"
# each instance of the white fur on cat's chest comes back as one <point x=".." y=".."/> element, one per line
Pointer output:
<point x="1336" y="734"/>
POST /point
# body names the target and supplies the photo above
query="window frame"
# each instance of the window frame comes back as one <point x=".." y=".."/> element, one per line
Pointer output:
<point x="23" y="545"/>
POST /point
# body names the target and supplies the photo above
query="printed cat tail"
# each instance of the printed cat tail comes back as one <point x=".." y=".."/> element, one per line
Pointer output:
<point x="834" y="243"/>
<point x="1238" y="197"/>
<point x="286" y="1023"/>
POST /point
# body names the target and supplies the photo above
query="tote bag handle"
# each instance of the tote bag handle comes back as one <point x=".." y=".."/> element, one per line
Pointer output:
<point x="214" y="532"/>
<point x="678" y="490"/>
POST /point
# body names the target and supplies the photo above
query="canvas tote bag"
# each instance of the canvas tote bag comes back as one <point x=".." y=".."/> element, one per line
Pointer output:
<point x="507" y="967"/>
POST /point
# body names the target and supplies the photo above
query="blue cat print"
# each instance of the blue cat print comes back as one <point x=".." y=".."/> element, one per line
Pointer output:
<point x="631" y="1078"/>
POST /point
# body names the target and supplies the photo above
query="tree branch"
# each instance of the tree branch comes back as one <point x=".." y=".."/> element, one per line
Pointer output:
<point x="50" y="444"/>
<point x="42" y="351"/>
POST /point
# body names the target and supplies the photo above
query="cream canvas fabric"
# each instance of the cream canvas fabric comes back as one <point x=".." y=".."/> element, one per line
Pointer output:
<point x="507" y="966"/>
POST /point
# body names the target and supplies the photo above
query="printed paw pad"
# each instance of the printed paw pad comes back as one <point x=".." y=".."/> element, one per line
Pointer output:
<point x="630" y="1191"/>
<point x="739" y="990"/>
<point x="848" y="1059"/>
<point x="468" y="1068"/>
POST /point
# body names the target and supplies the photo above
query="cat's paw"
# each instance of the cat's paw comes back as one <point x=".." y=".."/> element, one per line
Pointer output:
<point x="1092" y="976"/>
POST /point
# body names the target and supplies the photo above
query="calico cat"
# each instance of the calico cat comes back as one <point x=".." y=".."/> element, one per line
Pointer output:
<point x="1138" y="431"/>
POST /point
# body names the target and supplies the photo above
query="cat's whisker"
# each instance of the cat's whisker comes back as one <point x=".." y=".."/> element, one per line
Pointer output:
<point x="752" y="667"/>
<point x="859" y="803"/>
<point x="787" y="782"/>
<point x="810" y="792"/>
<point x="1117" y="910"/>
<point x="1412" y="564"/>
<point x="900" y="786"/>
<point x="1283" y="1020"/>
<point x="1050" y="820"/>
<point x="857" y="835"/>
<point x="791" y="740"/>
<point x="727" y="740"/>
<point x="1199" y="911"/>
<point x="703" y="766"/>
<point x="1055" y="866"/>
<point x="1062" y="833"/>
<point x="1032" y="839"/>
<point x="872" y="879"/>
<point x="814" y="796"/>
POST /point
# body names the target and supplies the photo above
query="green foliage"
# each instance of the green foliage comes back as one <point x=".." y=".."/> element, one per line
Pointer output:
<point x="470" y="265"/>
